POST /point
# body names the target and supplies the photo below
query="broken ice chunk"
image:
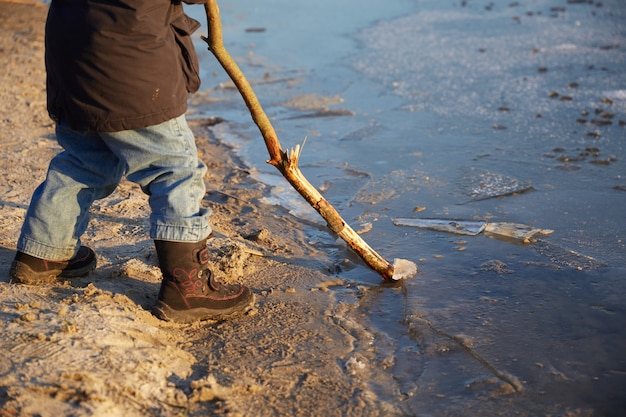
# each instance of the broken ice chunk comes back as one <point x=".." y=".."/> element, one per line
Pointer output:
<point x="461" y="227"/>
<point x="403" y="268"/>
<point x="502" y="230"/>
<point x="514" y="231"/>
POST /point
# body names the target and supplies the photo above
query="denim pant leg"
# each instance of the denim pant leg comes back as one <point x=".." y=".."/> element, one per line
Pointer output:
<point x="58" y="214"/>
<point x="164" y="161"/>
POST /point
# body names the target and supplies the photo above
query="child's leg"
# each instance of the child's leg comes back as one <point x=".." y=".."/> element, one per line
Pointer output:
<point x="59" y="211"/>
<point x="163" y="160"/>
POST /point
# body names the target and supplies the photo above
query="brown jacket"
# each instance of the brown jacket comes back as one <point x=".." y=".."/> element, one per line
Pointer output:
<point x="119" y="64"/>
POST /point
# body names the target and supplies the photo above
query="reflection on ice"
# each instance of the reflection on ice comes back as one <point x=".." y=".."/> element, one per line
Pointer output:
<point x="567" y="257"/>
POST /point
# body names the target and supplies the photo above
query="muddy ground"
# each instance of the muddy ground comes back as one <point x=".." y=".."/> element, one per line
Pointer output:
<point x="91" y="347"/>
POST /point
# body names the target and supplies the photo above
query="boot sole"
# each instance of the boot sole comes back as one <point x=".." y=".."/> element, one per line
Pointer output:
<point x="165" y="312"/>
<point x="22" y="274"/>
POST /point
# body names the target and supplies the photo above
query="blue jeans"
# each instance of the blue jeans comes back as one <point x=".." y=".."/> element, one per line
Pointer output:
<point x="162" y="159"/>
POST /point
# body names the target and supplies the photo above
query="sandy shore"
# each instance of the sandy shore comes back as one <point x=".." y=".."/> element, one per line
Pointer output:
<point x="91" y="347"/>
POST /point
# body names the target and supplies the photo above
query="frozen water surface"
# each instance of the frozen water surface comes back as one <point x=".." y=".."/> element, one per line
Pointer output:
<point x="429" y="101"/>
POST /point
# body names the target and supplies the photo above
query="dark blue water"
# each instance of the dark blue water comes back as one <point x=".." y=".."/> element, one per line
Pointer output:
<point x="439" y="92"/>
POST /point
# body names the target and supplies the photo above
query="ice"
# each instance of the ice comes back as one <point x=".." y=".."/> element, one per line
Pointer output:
<point x="403" y="268"/>
<point x="567" y="257"/>
<point x="483" y="184"/>
<point x="461" y="227"/>
<point x="505" y="231"/>
<point x="514" y="231"/>
<point x="438" y="66"/>
<point x="500" y="230"/>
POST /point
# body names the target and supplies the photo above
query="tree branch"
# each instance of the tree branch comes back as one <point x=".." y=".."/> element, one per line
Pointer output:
<point x="287" y="163"/>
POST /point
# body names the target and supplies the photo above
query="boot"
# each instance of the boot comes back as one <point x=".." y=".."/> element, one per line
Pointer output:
<point x="29" y="270"/>
<point x="189" y="291"/>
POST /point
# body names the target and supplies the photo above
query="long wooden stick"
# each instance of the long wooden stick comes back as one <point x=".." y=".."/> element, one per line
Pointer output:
<point x="287" y="162"/>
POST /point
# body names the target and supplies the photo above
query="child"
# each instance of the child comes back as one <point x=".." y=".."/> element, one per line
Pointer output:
<point x="118" y="78"/>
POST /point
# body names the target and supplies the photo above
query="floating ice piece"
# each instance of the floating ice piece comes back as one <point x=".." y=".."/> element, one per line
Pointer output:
<point x="514" y="231"/>
<point x="482" y="185"/>
<point x="460" y="227"/>
<point x="506" y="231"/>
<point x="403" y="268"/>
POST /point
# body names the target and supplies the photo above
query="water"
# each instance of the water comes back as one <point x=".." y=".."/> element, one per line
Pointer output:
<point x="441" y="91"/>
